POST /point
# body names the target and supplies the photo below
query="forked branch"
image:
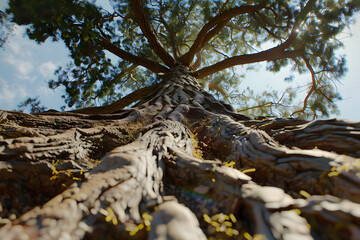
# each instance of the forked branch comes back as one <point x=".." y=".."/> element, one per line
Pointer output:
<point x="211" y="29"/>
<point x="313" y="87"/>
<point x="272" y="54"/>
<point x="148" y="32"/>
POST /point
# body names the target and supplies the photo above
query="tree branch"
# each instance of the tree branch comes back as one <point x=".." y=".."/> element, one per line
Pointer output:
<point x="222" y="7"/>
<point x="126" y="71"/>
<point x="194" y="66"/>
<point x="209" y="28"/>
<point x="213" y="33"/>
<point x="154" y="42"/>
<point x="263" y="26"/>
<point x="268" y="55"/>
<point x="172" y="35"/>
<point x="312" y="89"/>
<point x="151" y="65"/>
<point x="119" y="104"/>
<point x="294" y="31"/>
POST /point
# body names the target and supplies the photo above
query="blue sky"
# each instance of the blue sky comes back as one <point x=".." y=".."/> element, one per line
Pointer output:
<point x="26" y="67"/>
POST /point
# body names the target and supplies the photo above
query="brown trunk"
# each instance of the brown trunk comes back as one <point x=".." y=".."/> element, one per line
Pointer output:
<point x="183" y="162"/>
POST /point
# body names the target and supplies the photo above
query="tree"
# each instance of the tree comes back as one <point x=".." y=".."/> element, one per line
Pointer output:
<point x="180" y="163"/>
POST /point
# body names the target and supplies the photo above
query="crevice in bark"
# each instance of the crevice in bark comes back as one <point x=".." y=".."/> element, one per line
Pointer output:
<point x="340" y="136"/>
<point x="277" y="165"/>
<point x="38" y="163"/>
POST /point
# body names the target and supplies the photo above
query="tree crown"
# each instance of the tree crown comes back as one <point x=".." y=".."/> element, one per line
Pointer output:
<point x="151" y="37"/>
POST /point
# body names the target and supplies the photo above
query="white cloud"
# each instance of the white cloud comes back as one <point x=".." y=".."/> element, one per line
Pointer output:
<point x="23" y="67"/>
<point x="45" y="91"/>
<point x="18" y="45"/>
<point x="47" y="69"/>
<point x="3" y="5"/>
<point x="10" y="95"/>
<point x="19" y="55"/>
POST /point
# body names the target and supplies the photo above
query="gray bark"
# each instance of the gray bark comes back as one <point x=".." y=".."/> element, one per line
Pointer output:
<point x="182" y="162"/>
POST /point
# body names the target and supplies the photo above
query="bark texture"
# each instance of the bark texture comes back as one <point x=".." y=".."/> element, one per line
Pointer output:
<point x="178" y="165"/>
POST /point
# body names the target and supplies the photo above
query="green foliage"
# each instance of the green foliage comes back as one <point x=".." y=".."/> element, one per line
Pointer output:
<point x="94" y="77"/>
<point x="33" y="104"/>
<point x="267" y="103"/>
<point x="5" y="28"/>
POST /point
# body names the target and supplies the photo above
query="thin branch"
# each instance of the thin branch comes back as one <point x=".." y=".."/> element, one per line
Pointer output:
<point x="268" y="104"/>
<point x="222" y="7"/>
<point x="213" y="33"/>
<point x="217" y="51"/>
<point x="273" y="25"/>
<point x="103" y="34"/>
<point x="125" y="72"/>
<point x="233" y="26"/>
<point x="257" y="106"/>
<point x="172" y="35"/>
<point x="310" y="68"/>
<point x="327" y="98"/>
<point x="263" y="26"/>
<point x="151" y="65"/>
<point x="119" y="104"/>
<point x="303" y="13"/>
<point x="194" y="66"/>
<point x="154" y="42"/>
<point x="221" y="19"/>
<point x="312" y="89"/>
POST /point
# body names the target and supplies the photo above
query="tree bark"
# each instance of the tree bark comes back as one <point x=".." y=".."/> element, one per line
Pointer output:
<point x="178" y="165"/>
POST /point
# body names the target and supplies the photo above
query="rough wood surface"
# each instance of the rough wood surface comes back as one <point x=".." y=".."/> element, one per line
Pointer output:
<point x="178" y="165"/>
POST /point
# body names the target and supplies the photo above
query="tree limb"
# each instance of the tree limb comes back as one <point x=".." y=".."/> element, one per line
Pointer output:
<point x="154" y="42"/>
<point x="267" y="55"/>
<point x="312" y="89"/>
<point x="194" y="66"/>
<point x="213" y="33"/>
<point x="151" y="65"/>
<point x="222" y="7"/>
<point x="172" y="35"/>
<point x="220" y="19"/>
<point x="294" y="31"/>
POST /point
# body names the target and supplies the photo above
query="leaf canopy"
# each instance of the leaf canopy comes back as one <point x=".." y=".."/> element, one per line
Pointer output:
<point x="151" y="36"/>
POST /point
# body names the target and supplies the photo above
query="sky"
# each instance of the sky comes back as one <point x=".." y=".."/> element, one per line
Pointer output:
<point x="26" y="67"/>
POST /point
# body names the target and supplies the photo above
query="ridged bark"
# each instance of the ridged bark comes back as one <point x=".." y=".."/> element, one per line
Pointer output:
<point x="177" y="159"/>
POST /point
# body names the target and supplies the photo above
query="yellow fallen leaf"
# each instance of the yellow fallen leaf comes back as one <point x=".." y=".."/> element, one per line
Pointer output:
<point x="305" y="194"/>
<point x="248" y="170"/>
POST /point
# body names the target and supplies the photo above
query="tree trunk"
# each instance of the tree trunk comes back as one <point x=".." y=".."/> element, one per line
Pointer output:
<point x="178" y="165"/>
